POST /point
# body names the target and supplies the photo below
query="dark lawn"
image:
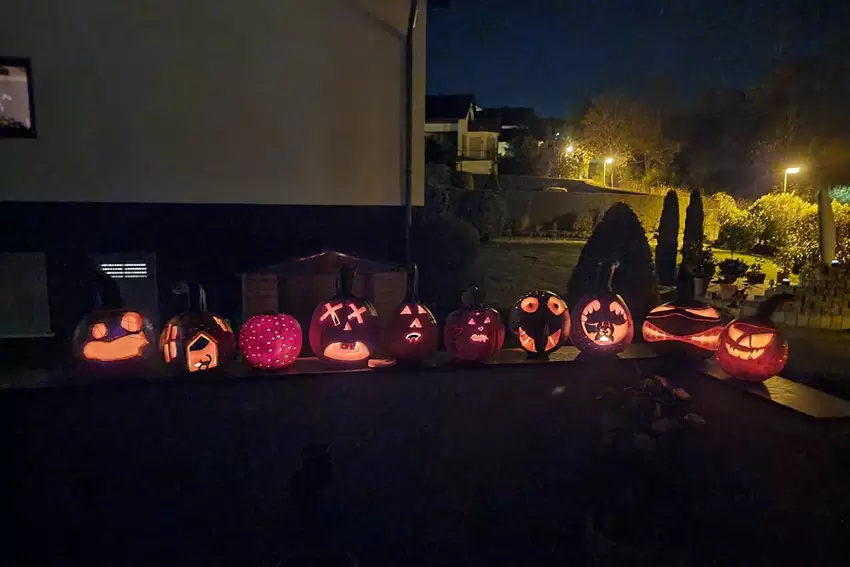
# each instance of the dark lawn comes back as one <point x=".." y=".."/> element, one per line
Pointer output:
<point x="476" y="467"/>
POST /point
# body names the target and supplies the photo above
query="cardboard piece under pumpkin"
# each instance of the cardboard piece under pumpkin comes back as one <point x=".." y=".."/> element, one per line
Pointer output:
<point x="684" y="327"/>
<point x="114" y="340"/>
<point x="602" y="322"/>
<point x="753" y="349"/>
<point x="344" y="329"/>
<point x="473" y="333"/>
<point x="270" y="341"/>
<point x="541" y="322"/>
<point x="411" y="333"/>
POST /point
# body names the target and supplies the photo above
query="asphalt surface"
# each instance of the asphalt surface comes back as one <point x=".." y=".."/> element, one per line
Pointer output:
<point x="479" y="466"/>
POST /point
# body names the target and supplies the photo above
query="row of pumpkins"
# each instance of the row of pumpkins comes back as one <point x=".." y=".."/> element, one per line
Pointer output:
<point x="344" y="331"/>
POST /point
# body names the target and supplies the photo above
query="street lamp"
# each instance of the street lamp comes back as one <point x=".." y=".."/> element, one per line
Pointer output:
<point x="569" y="150"/>
<point x="605" y="167"/>
<point x="792" y="171"/>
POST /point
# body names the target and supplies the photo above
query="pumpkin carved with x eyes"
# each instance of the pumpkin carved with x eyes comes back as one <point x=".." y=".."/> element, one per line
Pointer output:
<point x="602" y="322"/>
<point x="411" y="334"/>
<point x="473" y="333"/>
<point x="752" y="348"/>
<point x="197" y="341"/>
<point x="685" y="327"/>
<point x="541" y="322"/>
<point x="344" y="329"/>
<point x="114" y="339"/>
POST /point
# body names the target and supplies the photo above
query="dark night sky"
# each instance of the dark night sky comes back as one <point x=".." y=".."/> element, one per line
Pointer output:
<point x="555" y="55"/>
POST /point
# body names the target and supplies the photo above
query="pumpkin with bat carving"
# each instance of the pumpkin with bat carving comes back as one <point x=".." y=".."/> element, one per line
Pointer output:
<point x="114" y="340"/>
<point x="684" y="327"/>
<point x="473" y="333"/>
<point x="541" y="322"/>
<point x="752" y="348"/>
<point x="197" y="341"/>
<point x="344" y="329"/>
<point x="602" y="322"/>
<point x="411" y="333"/>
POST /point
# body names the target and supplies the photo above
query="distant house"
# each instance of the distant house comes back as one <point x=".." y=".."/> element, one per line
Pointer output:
<point x="453" y="120"/>
<point x="514" y="123"/>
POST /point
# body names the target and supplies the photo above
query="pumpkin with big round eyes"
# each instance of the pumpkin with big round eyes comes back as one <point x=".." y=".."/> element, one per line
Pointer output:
<point x="473" y="333"/>
<point x="197" y="341"/>
<point x="344" y="329"/>
<point x="541" y="322"/>
<point x="684" y="327"/>
<point x="114" y="339"/>
<point x="752" y="349"/>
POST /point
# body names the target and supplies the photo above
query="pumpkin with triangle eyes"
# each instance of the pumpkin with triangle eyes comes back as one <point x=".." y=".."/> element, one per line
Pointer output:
<point x="344" y="329"/>
<point x="685" y="327"/>
<point x="197" y="341"/>
<point x="473" y="333"/>
<point x="541" y="322"/>
<point x="752" y="349"/>
<point x="114" y="340"/>
<point x="602" y="322"/>
<point x="411" y="334"/>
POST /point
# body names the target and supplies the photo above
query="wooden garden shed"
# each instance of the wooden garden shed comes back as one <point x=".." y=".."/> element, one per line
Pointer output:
<point x="299" y="285"/>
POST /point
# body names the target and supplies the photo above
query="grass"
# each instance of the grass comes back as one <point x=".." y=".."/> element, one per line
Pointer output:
<point x="510" y="267"/>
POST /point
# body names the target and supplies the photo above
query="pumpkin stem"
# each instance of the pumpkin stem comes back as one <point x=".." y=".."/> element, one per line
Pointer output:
<point x="614" y="266"/>
<point x="345" y="279"/>
<point x="412" y="294"/>
<point x="685" y="291"/>
<point x="771" y="304"/>
<point x="473" y="297"/>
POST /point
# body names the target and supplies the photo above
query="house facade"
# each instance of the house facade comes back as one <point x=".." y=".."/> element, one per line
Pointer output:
<point x="453" y="120"/>
<point x="193" y="138"/>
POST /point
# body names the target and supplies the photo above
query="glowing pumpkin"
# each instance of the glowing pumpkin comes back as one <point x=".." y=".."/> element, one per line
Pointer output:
<point x="602" y="322"/>
<point x="197" y="341"/>
<point x="344" y="329"/>
<point x="473" y="333"/>
<point x="114" y="339"/>
<point x="270" y="341"/>
<point x="752" y="348"/>
<point x="684" y="327"/>
<point x="411" y="334"/>
<point x="541" y="322"/>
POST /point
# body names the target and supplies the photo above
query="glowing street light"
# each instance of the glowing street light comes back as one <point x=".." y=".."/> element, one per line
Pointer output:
<point x="792" y="171"/>
<point x="605" y="167"/>
<point x="569" y="150"/>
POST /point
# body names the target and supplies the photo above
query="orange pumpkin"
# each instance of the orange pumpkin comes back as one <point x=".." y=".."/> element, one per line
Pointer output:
<point x="411" y="334"/>
<point x="602" y="322"/>
<point x="473" y="333"/>
<point x="114" y="339"/>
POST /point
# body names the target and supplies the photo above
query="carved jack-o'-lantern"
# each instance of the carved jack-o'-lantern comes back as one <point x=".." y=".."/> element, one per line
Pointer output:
<point x="541" y="322"/>
<point x="114" y="339"/>
<point x="270" y="341"/>
<point x="473" y="333"/>
<point x="411" y="332"/>
<point x="602" y="322"/>
<point x="752" y="348"/>
<point x="197" y="341"/>
<point x="683" y="327"/>
<point x="344" y="329"/>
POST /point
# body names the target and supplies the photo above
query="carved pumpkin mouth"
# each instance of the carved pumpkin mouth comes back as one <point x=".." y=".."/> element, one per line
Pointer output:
<point x="709" y="339"/>
<point x="122" y="348"/>
<point x="744" y="353"/>
<point x="347" y="351"/>
<point x="528" y="343"/>
<point x="479" y="338"/>
<point x="413" y="338"/>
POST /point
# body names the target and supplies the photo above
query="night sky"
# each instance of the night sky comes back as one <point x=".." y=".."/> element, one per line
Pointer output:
<point x="555" y="55"/>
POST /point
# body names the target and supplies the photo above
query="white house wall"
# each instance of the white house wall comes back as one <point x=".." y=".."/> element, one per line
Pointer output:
<point x="196" y="101"/>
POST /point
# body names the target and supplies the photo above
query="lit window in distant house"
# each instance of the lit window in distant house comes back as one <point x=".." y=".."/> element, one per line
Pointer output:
<point x="128" y="271"/>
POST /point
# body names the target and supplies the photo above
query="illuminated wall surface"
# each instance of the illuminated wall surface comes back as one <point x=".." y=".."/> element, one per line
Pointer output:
<point x="198" y="101"/>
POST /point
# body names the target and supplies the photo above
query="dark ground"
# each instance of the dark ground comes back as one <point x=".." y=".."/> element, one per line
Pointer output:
<point x="477" y="467"/>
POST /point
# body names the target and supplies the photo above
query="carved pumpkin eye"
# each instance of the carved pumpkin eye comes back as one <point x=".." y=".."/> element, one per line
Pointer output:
<point x="487" y="320"/>
<point x="421" y="310"/>
<point x="556" y="305"/>
<point x="99" y="330"/>
<point x="471" y="321"/>
<point x="530" y="304"/>
<point x="760" y="340"/>
<point x="703" y="312"/>
<point x="591" y="307"/>
<point x="735" y="333"/>
<point x="357" y="312"/>
<point x="406" y="310"/>
<point x="616" y="309"/>
<point x="132" y="322"/>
